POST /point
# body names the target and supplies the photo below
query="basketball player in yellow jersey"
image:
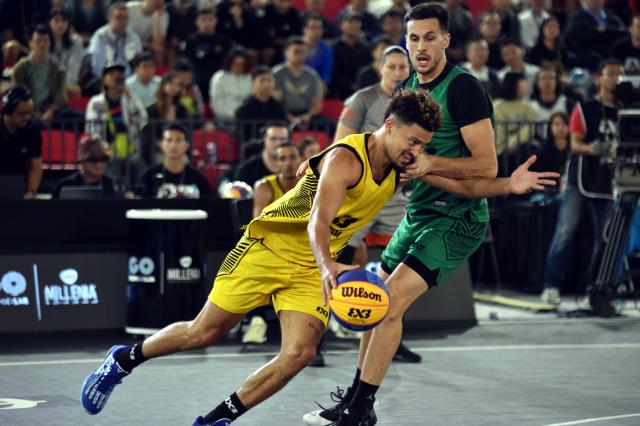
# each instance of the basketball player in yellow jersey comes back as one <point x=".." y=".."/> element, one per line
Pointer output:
<point x="272" y="187"/>
<point x="286" y="253"/>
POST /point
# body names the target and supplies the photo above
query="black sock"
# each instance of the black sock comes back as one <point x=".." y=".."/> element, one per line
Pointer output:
<point x="352" y="389"/>
<point x="131" y="357"/>
<point x="364" y="396"/>
<point x="231" y="408"/>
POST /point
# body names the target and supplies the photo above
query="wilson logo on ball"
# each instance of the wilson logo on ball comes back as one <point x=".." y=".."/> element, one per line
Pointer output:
<point x="360" y="292"/>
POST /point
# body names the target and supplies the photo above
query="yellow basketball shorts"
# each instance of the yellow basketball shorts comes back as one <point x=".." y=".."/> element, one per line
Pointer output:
<point x="252" y="275"/>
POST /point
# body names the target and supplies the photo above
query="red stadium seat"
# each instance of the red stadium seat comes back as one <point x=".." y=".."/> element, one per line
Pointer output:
<point x="214" y="172"/>
<point x="160" y="71"/>
<point x="321" y="137"/>
<point x="59" y="146"/>
<point x="226" y="147"/>
<point x="332" y="108"/>
<point x="78" y="103"/>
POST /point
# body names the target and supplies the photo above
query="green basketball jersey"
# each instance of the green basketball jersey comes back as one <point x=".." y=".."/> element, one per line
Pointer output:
<point x="446" y="142"/>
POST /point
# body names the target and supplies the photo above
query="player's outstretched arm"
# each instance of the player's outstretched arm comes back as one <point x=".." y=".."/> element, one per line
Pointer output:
<point x="339" y="169"/>
<point x="521" y="181"/>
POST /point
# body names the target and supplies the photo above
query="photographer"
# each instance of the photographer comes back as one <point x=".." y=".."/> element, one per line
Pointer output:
<point x="593" y="127"/>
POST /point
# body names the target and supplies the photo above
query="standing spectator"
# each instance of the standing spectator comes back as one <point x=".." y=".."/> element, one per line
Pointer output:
<point x="298" y="86"/>
<point x="489" y="28"/>
<point x="315" y="8"/>
<point x="350" y="54"/>
<point x="167" y="107"/>
<point x="143" y="82"/>
<point x="531" y="20"/>
<point x="261" y="106"/>
<point x="281" y="21"/>
<point x="547" y="99"/>
<point x="320" y="53"/>
<point x="590" y="33"/>
<point x="231" y="85"/>
<point x="266" y="163"/>
<point x="191" y="98"/>
<point x="206" y="48"/>
<point x="114" y="42"/>
<point x="509" y="24"/>
<point x="66" y="49"/>
<point x="370" y="74"/>
<point x="42" y="75"/>
<point x="93" y="157"/>
<point x="20" y="139"/>
<point x="182" y="16"/>
<point x="513" y="56"/>
<point x="174" y="178"/>
<point x="593" y="126"/>
<point x="461" y="28"/>
<point x="548" y="50"/>
<point x="369" y="23"/>
<point x="87" y="16"/>
<point x="150" y="20"/>
<point x="116" y="116"/>
<point x="477" y="56"/>
<point x="627" y="49"/>
<point x="554" y="152"/>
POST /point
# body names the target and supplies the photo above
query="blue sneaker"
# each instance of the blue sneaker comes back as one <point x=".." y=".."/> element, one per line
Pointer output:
<point x="98" y="385"/>
<point x="222" y="422"/>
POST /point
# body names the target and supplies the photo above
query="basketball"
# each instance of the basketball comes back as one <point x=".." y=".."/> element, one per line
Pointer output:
<point x="360" y="300"/>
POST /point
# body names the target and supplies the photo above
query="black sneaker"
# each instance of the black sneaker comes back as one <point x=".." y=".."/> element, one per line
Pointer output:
<point x="351" y="417"/>
<point x="404" y="354"/>
<point x="328" y="416"/>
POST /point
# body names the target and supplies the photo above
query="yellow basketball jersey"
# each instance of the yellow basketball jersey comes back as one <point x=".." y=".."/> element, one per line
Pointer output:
<point x="282" y="226"/>
<point x="277" y="189"/>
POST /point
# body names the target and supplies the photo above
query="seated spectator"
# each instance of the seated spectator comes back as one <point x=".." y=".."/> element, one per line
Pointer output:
<point x="514" y="116"/>
<point x="206" y="48"/>
<point x="266" y="163"/>
<point x="548" y="50"/>
<point x="191" y="98"/>
<point x="627" y="49"/>
<point x="392" y="27"/>
<point x="350" y="54"/>
<point x="143" y="82"/>
<point x="590" y="34"/>
<point x="243" y="23"/>
<point x="489" y="28"/>
<point x="316" y="8"/>
<point x="43" y="76"/>
<point x="67" y="49"/>
<point x="281" y="21"/>
<point x="531" y="20"/>
<point x="308" y="147"/>
<point x="93" y="157"/>
<point x="174" y="178"/>
<point x="12" y="51"/>
<point x="261" y="106"/>
<point x="513" y="56"/>
<point x="116" y="116"/>
<point x="182" y="16"/>
<point x="477" y="55"/>
<point x="547" y="99"/>
<point x="87" y="16"/>
<point x="114" y="42"/>
<point x="298" y="86"/>
<point x="167" y="106"/>
<point x="370" y="74"/>
<point x="370" y="25"/>
<point x="509" y="24"/>
<point x="150" y="20"/>
<point x="555" y="150"/>
<point x="461" y="28"/>
<point x="320" y="53"/>
<point x="230" y="86"/>
<point x="20" y="139"/>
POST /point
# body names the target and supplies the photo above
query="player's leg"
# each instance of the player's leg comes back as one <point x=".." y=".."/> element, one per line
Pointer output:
<point x="300" y="335"/>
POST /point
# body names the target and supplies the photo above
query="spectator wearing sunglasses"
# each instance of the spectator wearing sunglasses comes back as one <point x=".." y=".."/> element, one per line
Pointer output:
<point x="93" y="158"/>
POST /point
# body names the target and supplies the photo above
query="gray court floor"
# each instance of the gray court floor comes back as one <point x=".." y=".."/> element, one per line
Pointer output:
<point x="513" y="371"/>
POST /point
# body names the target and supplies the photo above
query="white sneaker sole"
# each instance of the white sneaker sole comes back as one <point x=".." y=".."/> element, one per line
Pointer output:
<point x="314" y="419"/>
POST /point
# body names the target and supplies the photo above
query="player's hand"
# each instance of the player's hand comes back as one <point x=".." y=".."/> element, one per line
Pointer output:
<point x="522" y="181"/>
<point x="420" y="166"/>
<point x="302" y="169"/>
<point x="329" y="274"/>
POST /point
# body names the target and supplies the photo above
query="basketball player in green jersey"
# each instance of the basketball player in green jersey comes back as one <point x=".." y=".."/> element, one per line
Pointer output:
<point x="440" y="230"/>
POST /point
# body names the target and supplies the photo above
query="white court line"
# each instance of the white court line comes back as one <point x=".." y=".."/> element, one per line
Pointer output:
<point x="580" y="346"/>
<point x="595" y="419"/>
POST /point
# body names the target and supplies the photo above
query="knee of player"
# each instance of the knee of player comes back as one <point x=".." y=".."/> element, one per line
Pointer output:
<point x="297" y="357"/>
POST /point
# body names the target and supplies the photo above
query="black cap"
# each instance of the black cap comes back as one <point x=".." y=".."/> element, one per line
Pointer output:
<point x="110" y="66"/>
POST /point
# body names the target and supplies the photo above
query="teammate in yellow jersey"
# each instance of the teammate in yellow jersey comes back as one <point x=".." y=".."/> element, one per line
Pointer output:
<point x="272" y="187"/>
<point x="287" y="256"/>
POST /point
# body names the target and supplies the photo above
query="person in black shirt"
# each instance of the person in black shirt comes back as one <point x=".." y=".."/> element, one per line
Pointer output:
<point x="93" y="157"/>
<point x="627" y="49"/>
<point x="549" y="49"/>
<point x="255" y="168"/>
<point x="206" y="48"/>
<point x="280" y="22"/>
<point x="349" y="55"/>
<point x="555" y="150"/>
<point x="261" y="107"/>
<point x="174" y="178"/>
<point x="20" y="139"/>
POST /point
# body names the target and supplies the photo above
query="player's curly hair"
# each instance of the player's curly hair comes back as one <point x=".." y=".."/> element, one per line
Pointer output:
<point x="415" y="107"/>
